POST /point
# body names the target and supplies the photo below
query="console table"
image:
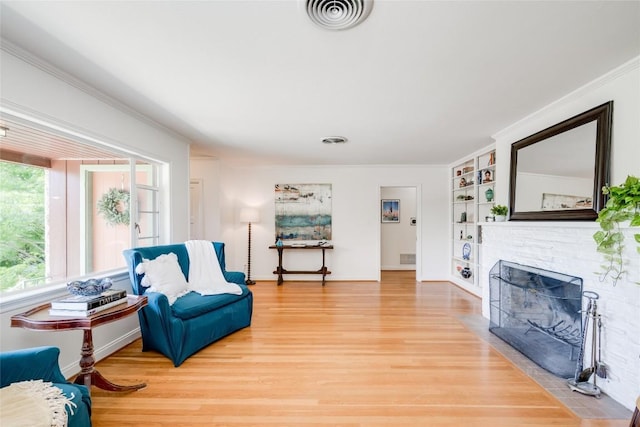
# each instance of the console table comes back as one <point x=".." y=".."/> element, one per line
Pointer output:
<point x="280" y="271"/>
<point x="38" y="319"/>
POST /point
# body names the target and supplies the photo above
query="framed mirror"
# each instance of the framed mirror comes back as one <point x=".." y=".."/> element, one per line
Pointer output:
<point x="558" y="173"/>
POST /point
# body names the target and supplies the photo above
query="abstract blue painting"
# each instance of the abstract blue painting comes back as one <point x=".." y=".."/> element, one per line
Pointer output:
<point x="303" y="211"/>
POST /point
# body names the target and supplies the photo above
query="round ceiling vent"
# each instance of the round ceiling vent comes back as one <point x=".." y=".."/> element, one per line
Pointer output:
<point x="334" y="140"/>
<point x="338" y="14"/>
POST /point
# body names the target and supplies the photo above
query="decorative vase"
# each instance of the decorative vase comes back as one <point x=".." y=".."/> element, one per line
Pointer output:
<point x="279" y="243"/>
<point x="501" y="218"/>
<point x="489" y="194"/>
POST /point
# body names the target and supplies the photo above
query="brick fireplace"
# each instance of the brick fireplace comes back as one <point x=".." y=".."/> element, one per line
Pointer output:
<point x="568" y="248"/>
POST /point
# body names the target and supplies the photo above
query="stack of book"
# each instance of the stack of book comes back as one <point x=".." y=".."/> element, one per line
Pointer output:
<point x="85" y="306"/>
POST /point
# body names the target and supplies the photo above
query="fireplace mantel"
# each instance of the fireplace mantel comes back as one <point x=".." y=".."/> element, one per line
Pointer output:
<point x="551" y="224"/>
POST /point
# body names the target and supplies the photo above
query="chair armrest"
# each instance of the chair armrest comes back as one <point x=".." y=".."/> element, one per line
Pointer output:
<point x="235" y="277"/>
<point x="158" y="312"/>
<point x="30" y="364"/>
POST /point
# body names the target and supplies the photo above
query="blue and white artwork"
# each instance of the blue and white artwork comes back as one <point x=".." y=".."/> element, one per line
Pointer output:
<point x="303" y="211"/>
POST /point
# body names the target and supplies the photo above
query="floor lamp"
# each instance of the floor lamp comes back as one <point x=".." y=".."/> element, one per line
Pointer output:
<point x="249" y="215"/>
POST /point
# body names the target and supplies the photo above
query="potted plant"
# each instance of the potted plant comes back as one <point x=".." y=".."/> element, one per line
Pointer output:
<point x="500" y="212"/>
<point x="623" y="205"/>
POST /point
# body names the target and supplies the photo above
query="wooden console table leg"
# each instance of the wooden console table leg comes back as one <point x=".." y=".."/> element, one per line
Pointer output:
<point x="324" y="269"/>
<point x="280" y="269"/>
<point x="89" y="376"/>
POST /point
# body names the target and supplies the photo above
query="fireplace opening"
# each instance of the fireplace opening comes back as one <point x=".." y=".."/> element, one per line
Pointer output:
<point x="538" y="312"/>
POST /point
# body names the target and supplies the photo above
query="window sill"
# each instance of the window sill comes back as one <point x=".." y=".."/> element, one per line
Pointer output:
<point x="40" y="295"/>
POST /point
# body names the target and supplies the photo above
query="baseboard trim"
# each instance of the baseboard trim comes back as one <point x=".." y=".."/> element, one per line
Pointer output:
<point x="106" y="350"/>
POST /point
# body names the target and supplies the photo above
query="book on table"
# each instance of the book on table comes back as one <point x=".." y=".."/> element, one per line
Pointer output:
<point x="86" y="313"/>
<point x="82" y="302"/>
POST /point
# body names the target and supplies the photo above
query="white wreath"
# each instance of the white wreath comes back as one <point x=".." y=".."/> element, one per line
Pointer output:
<point x="114" y="206"/>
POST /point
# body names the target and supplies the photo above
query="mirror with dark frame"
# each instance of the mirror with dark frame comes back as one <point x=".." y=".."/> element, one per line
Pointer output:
<point x="558" y="173"/>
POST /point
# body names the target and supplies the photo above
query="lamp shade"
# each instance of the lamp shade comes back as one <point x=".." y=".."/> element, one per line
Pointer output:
<point x="249" y="215"/>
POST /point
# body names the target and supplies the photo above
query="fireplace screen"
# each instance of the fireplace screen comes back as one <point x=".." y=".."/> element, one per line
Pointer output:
<point x="538" y="313"/>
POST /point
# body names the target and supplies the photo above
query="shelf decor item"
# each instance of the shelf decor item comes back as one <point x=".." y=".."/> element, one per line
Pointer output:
<point x="466" y="251"/>
<point x="489" y="194"/>
<point x="500" y="211"/>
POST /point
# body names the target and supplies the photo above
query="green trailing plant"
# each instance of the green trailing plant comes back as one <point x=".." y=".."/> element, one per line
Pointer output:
<point x="623" y="205"/>
<point x="499" y="210"/>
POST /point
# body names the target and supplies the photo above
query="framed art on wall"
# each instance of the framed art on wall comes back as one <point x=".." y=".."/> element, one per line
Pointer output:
<point x="390" y="210"/>
<point x="303" y="211"/>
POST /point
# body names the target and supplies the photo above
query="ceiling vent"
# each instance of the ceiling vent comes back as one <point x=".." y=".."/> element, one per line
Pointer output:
<point x="334" y="140"/>
<point x="338" y="14"/>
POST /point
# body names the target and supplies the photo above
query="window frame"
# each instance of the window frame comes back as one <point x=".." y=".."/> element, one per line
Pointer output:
<point x="49" y="291"/>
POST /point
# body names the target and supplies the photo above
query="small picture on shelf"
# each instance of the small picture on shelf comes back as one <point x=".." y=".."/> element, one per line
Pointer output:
<point x="487" y="176"/>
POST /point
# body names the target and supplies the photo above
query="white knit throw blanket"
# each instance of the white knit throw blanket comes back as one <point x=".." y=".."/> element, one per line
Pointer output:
<point x="205" y="274"/>
<point x="33" y="404"/>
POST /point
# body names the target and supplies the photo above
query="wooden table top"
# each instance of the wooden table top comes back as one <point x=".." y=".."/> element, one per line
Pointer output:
<point x="38" y="318"/>
<point x="301" y="247"/>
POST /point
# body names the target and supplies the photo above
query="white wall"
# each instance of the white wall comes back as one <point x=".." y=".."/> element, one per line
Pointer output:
<point x="32" y="90"/>
<point x="398" y="238"/>
<point x="356" y="217"/>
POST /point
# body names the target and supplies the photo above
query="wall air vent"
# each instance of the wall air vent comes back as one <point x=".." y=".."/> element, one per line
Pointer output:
<point x="334" y="140"/>
<point x="338" y="14"/>
<point x="407" y="259"/>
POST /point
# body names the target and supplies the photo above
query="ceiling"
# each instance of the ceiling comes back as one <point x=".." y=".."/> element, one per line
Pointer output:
<point x="23" y="138"/>
<point x="418" y="82"/>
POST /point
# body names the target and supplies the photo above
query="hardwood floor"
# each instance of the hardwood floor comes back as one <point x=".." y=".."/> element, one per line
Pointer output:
<point x="349" y="354"/>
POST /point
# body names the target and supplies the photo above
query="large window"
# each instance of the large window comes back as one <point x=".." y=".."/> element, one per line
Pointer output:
<point x="68" y="209"/>
<point x="22" y="226"/>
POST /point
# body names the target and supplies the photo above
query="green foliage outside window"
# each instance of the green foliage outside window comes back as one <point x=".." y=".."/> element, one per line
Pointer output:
<point x="22" y="211"/>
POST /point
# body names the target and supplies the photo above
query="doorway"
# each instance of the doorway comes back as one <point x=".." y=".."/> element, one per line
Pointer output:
<point x="400" y="241"/>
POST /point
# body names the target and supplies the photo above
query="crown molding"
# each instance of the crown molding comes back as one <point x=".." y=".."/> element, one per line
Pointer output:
<point x="72" y="80"/>
<point x="572" y="96"/>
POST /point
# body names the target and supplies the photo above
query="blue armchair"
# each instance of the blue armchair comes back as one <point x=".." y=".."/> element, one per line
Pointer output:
<point x="194" y="321"/>
<point x="41" y="363"/>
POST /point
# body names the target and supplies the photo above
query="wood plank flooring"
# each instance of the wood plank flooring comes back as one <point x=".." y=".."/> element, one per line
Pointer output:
<point x="349" y="354"/>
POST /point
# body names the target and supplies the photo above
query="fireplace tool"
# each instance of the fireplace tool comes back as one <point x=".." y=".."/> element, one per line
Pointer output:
<point x="601" y="367"/>
<point x="580" y="382"/>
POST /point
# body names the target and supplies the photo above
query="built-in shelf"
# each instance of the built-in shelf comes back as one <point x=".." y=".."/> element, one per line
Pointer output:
<point x="472" y="197"/>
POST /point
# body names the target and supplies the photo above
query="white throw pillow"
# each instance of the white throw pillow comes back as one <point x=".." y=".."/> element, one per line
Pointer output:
<point x="163" y="275"/>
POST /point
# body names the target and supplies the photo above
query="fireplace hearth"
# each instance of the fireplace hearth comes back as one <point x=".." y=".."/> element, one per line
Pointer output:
<point x="538" y="312"/>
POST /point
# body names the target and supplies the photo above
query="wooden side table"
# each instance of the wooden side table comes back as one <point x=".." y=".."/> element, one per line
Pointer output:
<point x="38" y="319"/>
<point x="280" y="270"/>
